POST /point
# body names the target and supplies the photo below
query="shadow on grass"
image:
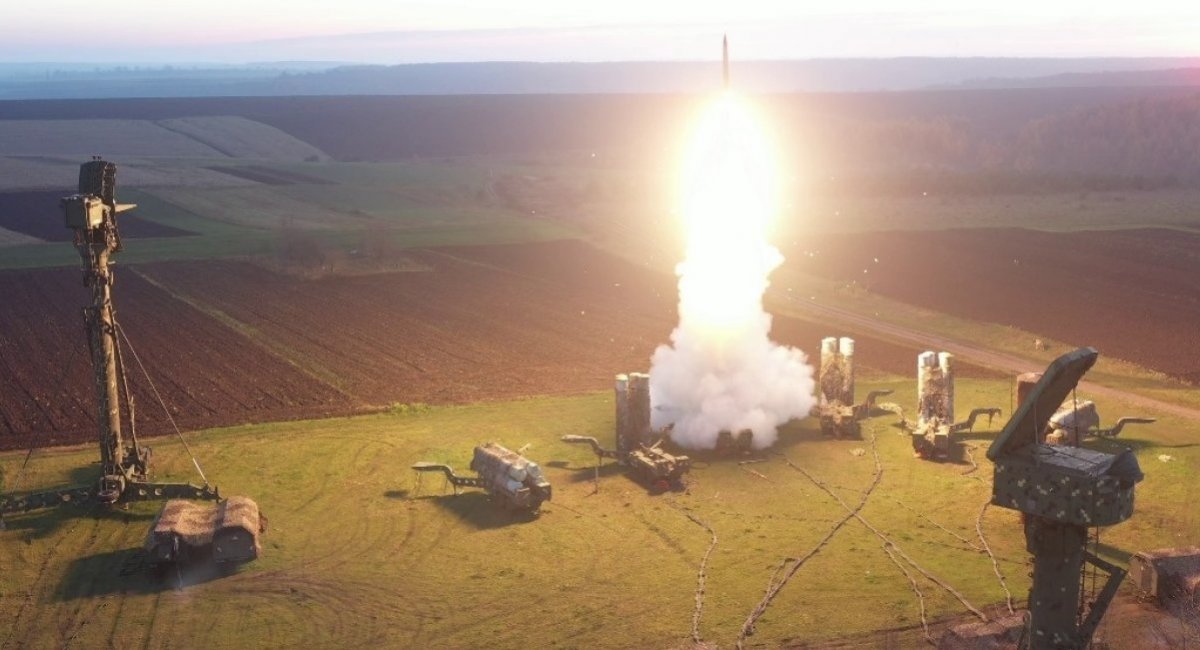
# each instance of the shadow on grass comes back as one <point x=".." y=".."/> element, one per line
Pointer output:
<point x="479" y="510"/>
<point x="1107" y="445"/>
<point x="128" y="572"/>
<point x="1110" y="552"/>
<point x="41" y="524"/>
<point x="977" y="436"/>
<point x="1120" y="443"/>
<point x="585" y="473"/>
<point x="398" y="494"/>
<point x="104" y="574"/>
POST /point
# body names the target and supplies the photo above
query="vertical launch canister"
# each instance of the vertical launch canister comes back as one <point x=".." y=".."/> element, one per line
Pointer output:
<point x="935" y="386"/>
<point x="632" y="396"/>
<point x="837" y="370"/>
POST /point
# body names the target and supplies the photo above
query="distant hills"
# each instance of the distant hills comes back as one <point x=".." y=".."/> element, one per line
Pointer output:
<point x="963" y="140"/>
<point x="76" y="81"/>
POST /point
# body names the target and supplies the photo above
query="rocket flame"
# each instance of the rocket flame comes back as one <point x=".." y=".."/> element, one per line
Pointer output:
<point x="722" y="372"/>
<point x="727" y="193"/>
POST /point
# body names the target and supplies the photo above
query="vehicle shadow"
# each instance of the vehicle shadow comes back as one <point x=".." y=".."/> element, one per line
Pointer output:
<point x="1113" y="552"/>
<point x="587" y="473"/>
<point x="479" y="510"/>
<point x="41" y="524"/>
<point x="1121" y="443"/>
<point x="128" y="572"/>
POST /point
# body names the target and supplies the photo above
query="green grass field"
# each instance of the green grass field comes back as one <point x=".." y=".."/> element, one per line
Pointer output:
<point x="414" y="205"/>
<point x="359" y="553"/>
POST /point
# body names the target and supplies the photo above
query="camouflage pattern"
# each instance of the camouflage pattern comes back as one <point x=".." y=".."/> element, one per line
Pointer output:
<point x="1063" y="492"/>
<point x="1072" y="485"/>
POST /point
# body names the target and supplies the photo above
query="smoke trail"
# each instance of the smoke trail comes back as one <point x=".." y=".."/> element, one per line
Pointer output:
<point x="721" y="371"/>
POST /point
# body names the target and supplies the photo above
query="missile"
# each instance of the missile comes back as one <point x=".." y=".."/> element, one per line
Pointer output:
<point x="725" y="59"/>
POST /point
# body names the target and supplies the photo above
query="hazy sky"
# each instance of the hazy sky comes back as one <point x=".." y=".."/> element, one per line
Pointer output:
<point x="599" y="30"/>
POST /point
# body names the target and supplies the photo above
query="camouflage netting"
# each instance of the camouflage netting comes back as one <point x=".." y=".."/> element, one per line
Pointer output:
<point x="241" y="512"/>
<point x="196" y="523"/>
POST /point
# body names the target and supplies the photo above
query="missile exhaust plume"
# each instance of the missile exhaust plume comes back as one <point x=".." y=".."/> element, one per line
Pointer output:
<point x="721" y="371"/>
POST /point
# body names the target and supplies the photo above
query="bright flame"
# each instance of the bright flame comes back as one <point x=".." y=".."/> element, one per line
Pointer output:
<point x="722" y="372"/>
<point x="727" y="195"/>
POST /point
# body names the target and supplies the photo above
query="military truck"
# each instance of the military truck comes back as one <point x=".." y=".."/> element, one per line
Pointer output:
<point x="933" y="433"/>
<point x="513" y="480"/>
<point x="840" y="417"/>
<point x="650" y="463"/>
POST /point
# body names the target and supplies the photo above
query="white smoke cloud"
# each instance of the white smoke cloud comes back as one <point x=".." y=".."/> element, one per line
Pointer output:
<point x="741" y="382"/>
<point x="721" y="371"/>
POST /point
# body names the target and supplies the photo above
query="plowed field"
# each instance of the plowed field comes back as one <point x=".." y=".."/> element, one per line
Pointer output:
<point x="206" y="372"/>
<point x="1132" y="294"/>
<point x="236" y="342"/>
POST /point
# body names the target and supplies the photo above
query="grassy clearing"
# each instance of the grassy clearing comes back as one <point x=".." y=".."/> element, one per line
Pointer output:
<point x="14" y="238"/>
<point x="356" y="557"/>
<point x="413" y="211"/>
<point x="255" y="207"/>
<point x="243" y="138"/>
<point x="116" y="138"/>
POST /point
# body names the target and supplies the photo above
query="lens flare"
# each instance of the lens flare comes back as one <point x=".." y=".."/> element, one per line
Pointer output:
<point x="727" y="205"/>
<point x="722" y="372"/>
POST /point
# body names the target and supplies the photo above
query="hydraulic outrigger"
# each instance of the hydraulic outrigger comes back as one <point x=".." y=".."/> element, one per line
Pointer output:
<point x="124" y="463"/>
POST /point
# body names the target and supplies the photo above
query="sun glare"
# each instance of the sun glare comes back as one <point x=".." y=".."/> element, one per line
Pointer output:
<point x="728" y="205"/>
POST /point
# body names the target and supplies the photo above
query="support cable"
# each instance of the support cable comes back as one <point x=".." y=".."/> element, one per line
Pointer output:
<point x="161" y="402"/>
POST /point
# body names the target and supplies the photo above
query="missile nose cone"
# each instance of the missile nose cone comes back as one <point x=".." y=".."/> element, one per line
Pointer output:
<point x="725" y="59"/>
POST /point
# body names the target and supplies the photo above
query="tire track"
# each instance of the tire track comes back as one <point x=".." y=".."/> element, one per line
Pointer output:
<point x="854" y="512"/>
<point x="701" y="573"/>
<point x="16" y="621"/>
<point x="778" y="582"/>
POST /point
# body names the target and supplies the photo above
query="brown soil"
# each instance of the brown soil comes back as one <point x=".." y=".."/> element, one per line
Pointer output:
<point x="207" y="373"/>
<point x="1131" y="294"/>
<point x="489" y="322"/>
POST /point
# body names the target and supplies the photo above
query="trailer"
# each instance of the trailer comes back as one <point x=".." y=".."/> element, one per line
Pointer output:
<point x="516" y="482"/>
